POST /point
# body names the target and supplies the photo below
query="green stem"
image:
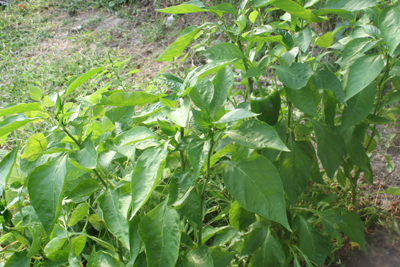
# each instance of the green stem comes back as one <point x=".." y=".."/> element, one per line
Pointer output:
<point x="203" y="192"/>
<point x="353" y="182"/>
<point x="119" y="249"/>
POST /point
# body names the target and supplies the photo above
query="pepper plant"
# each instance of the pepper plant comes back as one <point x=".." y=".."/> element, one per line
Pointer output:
<point x="192" y="171"/>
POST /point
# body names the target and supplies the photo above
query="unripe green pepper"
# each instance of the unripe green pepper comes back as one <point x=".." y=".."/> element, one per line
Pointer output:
<point x="269" y="105"/>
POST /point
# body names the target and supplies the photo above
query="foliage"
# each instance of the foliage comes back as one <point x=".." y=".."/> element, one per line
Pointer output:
<point x="183" y="174"/>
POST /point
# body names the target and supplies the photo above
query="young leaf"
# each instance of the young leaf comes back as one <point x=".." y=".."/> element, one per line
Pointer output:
<point x="128" y="99"/>
<point x="78" y="214"/>
<point x="19" y="108"/>
<point x="14" y="122"/>
<point x="295" y="76"/>
<point x="302" y="39"/>
<point x="389" y="26"/>
<point x="78" y="243"/>
<point x="36" y="144"/>
<point x="161" y="234"/>
<point x="303" y="99"/>
<point x="328" y="81"/>
<point x="6" y="166"/>
<point x="362" y="73"/>
<point x="235" y="115"/>
<point x="353" y="228"/>
<point x="331" y="147"/>
<point x="45" y="187"/>
<point x="87" y="155"/>
<point x="35" y="93"/>
<point x="81" y="79"/>
<point x="255" y="184"/>
<point x="179" y="116"/>
<point x="256" y="134"/>
<point x="392" y="191"/>
<point x="200" y="257"/>
<point x="115" y="221"/>
<point x="148" y="170"/>
<point x="293" y="8"/>
<point x="344" y="6"/>
<point x="202" y="94"/>
<point x="198" y="150"/>
<point x="224" y="51"/>
<point x="222" y="82"/>
<point x="192" y="6"/>
<point x="270" y="254"/>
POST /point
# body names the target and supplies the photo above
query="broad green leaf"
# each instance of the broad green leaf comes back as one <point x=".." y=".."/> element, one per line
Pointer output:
<point x="303" y="38"/>
<point x="128" y="99"/>
<point x="329" y="104"/>
<point x="235" y="115"/>
<point x="358" y="107"/>
<point x="303" y="99"/>
<point x="179" y="116"/>
<point x="390" y="27"/>
<point x="82" y="79"/>
<point x="239" y="217"/>
<point x="105" y="259"/>
<point x="198" y="150"/>
<point x="201" y="257"/>
<point x="176" y="48"/>
<point x="136" y="134"/>
<point x="87" y="155"/>
<point x="330" y="218"/>
<point x="344" y="6"/>
<point x="78" y="214"/>
<point x="54" y="245"/>
<point x="222" y="82"/>
<point x="221" y="9"/>
<point x="190" y="205"/>
<point x="256" y="134"/>
<point x="362" y="73"/>
<point x="255" y="184"/>
<point x="328" y="81"/>
<point x="352" y="51"/>
<point x="202" y="94"/>
<point x="161" y="234"/>
<point x="115" y="221"/>
<point x="134" y="239"/>
<point x="353" y="228"/>
<point x="84" y="188"/>
<point x="192" y="6"/>
<point x="45" y="187"/>
<point x="392" y="191"/>
<point x="331" y="147"/>
<point x="14" y="122"/>
<point x="78" y="244"/>
<point x="293" y="8"/>
<point x="36" y="144"/>
<point x="314" y="245"/>
<point x="201" y="121"/>
<point x="254" y="239"/>
<point x="295" y="171"/>
<point x="205" y="70"/>
<point x="146" y="174"/>
<point x="6" y="166"/>
<point x="221" y="258"/>
<point x="19" y="108"/>
<point x="270" y="254"/>
<point x="252" y="72"/>
<point x="295" y="76"/>
<point x="357" y="154"/>
<point x="226" y="234"/>
<point x="224" y="51"/>
<point x="35" y="93"/>
<point x="18" y="259"/>
<point x="325" y="40"/>
<point x="179" y="185"/>
<point x="36" y="245"/>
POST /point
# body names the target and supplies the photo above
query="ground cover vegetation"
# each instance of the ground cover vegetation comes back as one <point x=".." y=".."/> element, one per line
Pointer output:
<point x="253" y="158"/>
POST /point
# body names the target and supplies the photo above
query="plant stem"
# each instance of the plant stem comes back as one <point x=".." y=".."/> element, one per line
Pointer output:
<point x="203" y="192"/>
<point x="353" y="182"/>
<point x="119" y="249"/>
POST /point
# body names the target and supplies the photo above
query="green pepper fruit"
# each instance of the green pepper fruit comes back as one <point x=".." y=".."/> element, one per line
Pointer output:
<point x="268" y="105"/>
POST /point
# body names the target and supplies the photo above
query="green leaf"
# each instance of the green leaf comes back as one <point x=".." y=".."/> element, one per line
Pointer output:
<point x="36" y="144"/>
<point x="201" y="257"/>
<point x="358" y="107"/>
<point x="221" y="258"/>
<point x="222" y="8"/>
<point x="36" y="245"/>
<point x="295" y="171"/>
<point x="362" y="73"/>
<point x="331" y="147"/>
<point x="45" y="187"/>
<point x="54" y="245"/>
<point x="224" y="51"/>
<point x="87" y="155"/>
<point x="256" y="134"/>
<point x="136" y="134"/>
<point x="303" y="99"/>
<point x="254" y="239"/>
<point x="352" y="51"/>
<point x="390" y="27"/>
<point x="198" y="150"/>
<point x="344" y="6"/>
<point x="176" y="48"/>
<point x="19" y="108"/>
<point x="325" y="40"/>
<point x="239" y="217"/>
<point x="222" y="82"/>
<point x="330" y="218"/>
<point x="78" y="214"/>
<point x="14" y="122"/>
<point x="270" y="254"/>
<point x="146" y="174"/>
<point x="192" y="6"/>
<point x="312" y="243"/>
<point x="247" y="183"/>
<point x="295" y="76"/>
<point x="134" y="239"/>
<point x="179" y="116"/>
<point x="328" y="81"/>
<point x="392" y="191"/>
<point x="18" y="259"/>
<point x="6" y="166"/>
<point x="128" y="99"/>
<point x="115" y="221"/>
<point x="82" y="79"/>
<point x="202" y="95"/>
<point x="35" y="93"/>
<point x="357" y="154"/>
<point x="302" y="39"/>
<point x="205" y="70"/>
<point x="78" y="244"/>
<point x="190" y="205"/>
<point x="353" y="228"/>
<point x="160" y="233"/>
<point x="84" y="188"/>
<point x="295" y="9"/>
<point x="235" y="115"/>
